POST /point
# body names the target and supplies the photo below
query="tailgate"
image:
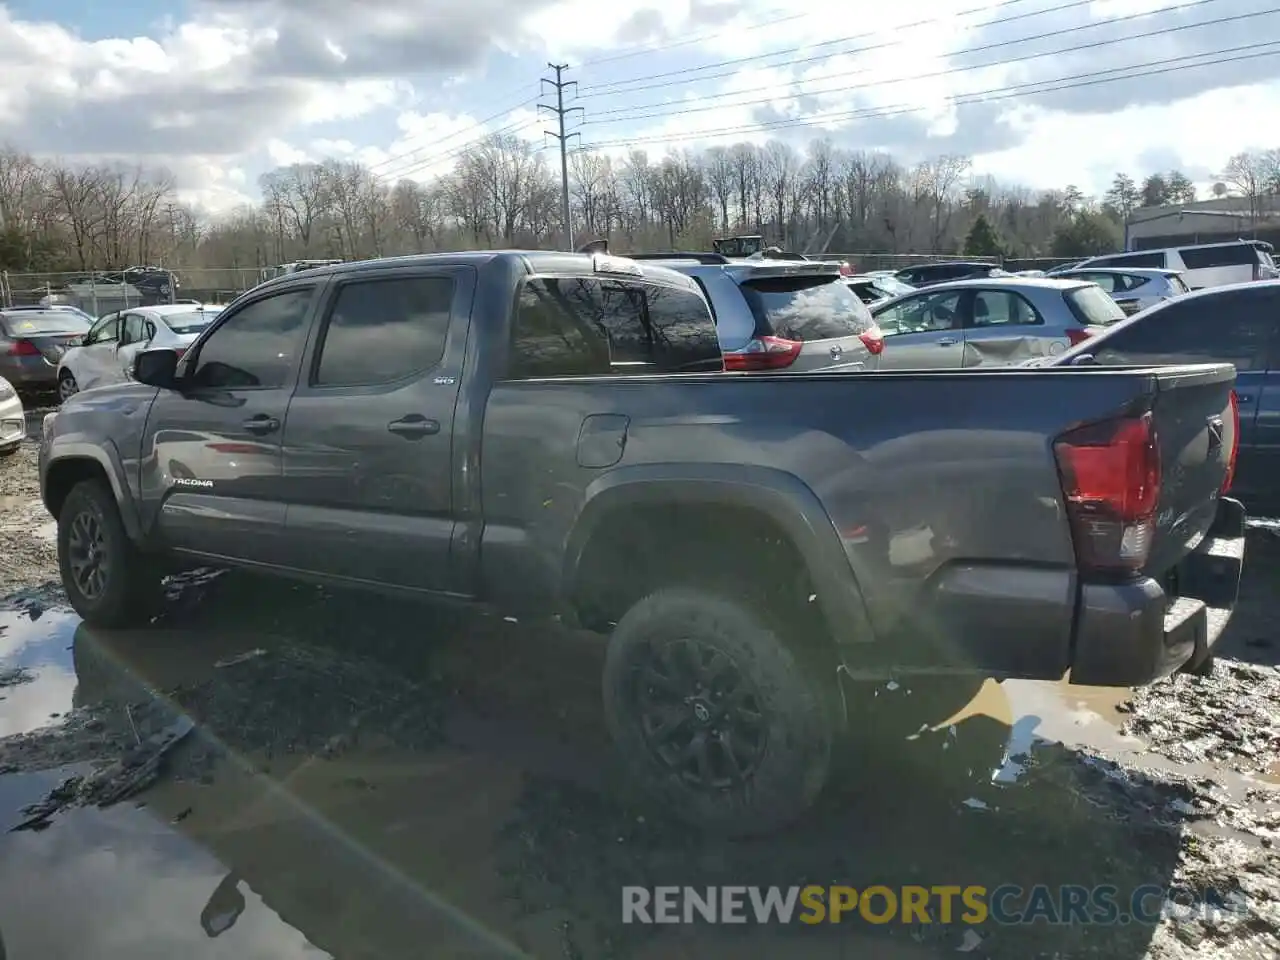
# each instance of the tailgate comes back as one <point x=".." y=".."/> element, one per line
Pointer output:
<point x="1196" y="430"/>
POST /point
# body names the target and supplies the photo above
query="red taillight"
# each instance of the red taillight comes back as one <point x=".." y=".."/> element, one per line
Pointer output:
<point x="1111" y="481"/>
<point x="1076" y="335"/>
<point x="179" y="351"/>
<point x="764" y="353"/>
<point x="873" y="340"/>
<point x="1235" y="443"/>
<point x="24" y="348"/>
<point x="846" y="270"/>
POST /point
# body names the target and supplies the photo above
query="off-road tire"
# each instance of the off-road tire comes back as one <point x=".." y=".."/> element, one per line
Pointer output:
<point x="794" y="763"/>
<point x="131" y="590"/>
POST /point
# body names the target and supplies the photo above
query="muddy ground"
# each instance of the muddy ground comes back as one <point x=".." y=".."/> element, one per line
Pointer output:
<point x="275" y="771"/>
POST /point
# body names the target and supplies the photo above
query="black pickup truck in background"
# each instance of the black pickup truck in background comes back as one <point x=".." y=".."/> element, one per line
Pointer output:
<point x="552" y="432"/>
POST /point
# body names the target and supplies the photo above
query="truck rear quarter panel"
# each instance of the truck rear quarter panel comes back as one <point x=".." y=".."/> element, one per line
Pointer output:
<point x="912" y="481"/>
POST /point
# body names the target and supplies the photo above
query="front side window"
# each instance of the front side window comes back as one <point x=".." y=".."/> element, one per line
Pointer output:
<point x="258" y="346"/>
<point x="923" y="314"/>
<point x="106" y="330"/>
<point x="380" y="331"/>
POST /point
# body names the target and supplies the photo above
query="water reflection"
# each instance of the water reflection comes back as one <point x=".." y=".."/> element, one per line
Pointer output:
<point x="37" y="680"/>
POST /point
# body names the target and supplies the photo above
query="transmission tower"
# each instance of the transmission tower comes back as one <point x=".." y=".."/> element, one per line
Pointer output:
<point x="559" y="84"/>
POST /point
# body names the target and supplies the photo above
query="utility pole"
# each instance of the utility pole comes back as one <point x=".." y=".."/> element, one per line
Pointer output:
<point x="561" y="111"/>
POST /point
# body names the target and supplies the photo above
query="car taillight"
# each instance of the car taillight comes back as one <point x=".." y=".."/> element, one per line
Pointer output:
<point x="873" y="340"/>
<point x="1235" y="443"/>
<point x="846" y="270"/>
<point x="179" y="351"/>
<point x="24" y="348"/>
<point x="764" y="353"/>
<point x="1077" y="335"/>
<point x="1110" y="475"/>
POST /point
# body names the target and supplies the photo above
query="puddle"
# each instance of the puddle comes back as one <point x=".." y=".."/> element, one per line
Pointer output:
<point x="35" y="656"/>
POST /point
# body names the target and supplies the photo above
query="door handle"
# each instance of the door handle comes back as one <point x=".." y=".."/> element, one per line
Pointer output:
<point x="948" y="342"/>
<point x="261" y="424"/>
<point x="414" y="425"/>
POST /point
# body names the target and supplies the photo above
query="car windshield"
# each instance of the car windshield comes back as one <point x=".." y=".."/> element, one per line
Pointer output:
<point x="1094" y="307"/>
<point x="893" y="286"/>
<point x="42" y="324"/>
<point x="193" y="322"/>
<point x="806" y="307"/>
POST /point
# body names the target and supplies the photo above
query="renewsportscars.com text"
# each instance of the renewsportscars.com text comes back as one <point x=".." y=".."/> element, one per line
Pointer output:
<point x="945" y="904"/>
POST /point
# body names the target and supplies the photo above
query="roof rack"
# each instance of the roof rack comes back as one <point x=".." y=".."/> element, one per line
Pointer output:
<point x="708" y="258"/>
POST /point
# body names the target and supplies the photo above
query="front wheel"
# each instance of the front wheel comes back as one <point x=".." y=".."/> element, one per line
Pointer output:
<point x="109" y="582"/>
<point x="712" y="714"/>
<point x="67" y="386"/>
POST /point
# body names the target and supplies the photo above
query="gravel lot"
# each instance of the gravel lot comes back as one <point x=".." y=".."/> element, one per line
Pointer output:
<point x="523" y="827"/>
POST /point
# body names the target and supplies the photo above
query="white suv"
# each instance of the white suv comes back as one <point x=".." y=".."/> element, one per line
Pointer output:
<point x="1202" y="264"/>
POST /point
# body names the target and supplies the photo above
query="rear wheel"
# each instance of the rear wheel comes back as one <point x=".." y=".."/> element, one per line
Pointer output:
<point x="67" y="386"/>
<point x="109" y="582"/>
<point x="712" y="715"/>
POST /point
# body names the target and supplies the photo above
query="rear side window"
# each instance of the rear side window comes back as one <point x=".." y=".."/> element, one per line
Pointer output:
<point x="380" y="331"/>
<point x="805" y="308"/>
<point x="1229" y="255"/>
<point x="1232" y="328"/>
<point x="586" y="327"/>
<point x="1092" y="307"/>
<point x="1139" y="260"/>
<point x="1002" y="308"/>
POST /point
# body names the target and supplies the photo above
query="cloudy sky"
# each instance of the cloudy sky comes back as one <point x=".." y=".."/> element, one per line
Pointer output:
<point x="1042" y="92"/>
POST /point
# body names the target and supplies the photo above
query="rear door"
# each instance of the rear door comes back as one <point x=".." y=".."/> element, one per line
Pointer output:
<point x="817" y="310"/>
<point x="211" y="451"/>
<point x="924" y="331"/>
<point x="1003" y="328"/>
<point x="136" y="332"/>
<point x="368" y="447"/>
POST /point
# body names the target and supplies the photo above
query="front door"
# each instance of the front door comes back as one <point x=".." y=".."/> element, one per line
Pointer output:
<point x="136" y="332"/>
<point x="211" y="453"/>
<point x="924" y="332"/>
<point x="97" y="354"/>
<point x="369" y="459"/>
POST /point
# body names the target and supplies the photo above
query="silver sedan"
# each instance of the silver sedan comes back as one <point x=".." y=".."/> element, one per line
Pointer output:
<point x="993" y="321"/>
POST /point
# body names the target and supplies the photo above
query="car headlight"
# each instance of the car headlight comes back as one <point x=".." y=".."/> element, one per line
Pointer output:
<point x="6" y="389"/>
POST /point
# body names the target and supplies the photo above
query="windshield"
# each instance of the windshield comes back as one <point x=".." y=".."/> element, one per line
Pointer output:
<point x="806" y="308"/>
<point x="894" y="287"/>
<point x="193" y="322"/>
<point x="1093" y="307"/>
<point x="38" y="324"/>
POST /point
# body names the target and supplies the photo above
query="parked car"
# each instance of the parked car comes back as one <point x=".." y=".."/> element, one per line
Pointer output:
<point x="929" y="274"/>
<point x="106" y="353"/>
<point x="1201" y="265"/>
<point x="997" y="321"/>
<point x="1134" y="289"/>
<point x="874" y="288"/>
<point x="1237" y="324"/>
<point x="13" y="419"/>
<point x="508" y="427"/>
<point x="156" y="284"/>
<point x="31" y="342"/>
<point x="1062" y="268"/>
<point x="777" y="316"/>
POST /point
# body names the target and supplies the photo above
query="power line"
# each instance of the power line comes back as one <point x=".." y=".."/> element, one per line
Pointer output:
<point x="609" y="87"/>
<point x="718" y="101"/>
<point x="996" y="94"/>
<point x="640" y="51"/>
<point x="407" y="154"/>
<point x="515" y="128"/>
<point x="559" y="84"/>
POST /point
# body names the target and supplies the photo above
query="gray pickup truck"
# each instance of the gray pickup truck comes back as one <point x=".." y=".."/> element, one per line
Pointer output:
<point x="553" y="432"/>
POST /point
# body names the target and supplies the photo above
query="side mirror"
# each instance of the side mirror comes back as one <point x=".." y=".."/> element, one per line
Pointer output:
<point x="157" y="368"/>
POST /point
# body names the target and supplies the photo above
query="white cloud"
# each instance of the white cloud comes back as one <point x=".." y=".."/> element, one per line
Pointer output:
<point x="208" y="96"/>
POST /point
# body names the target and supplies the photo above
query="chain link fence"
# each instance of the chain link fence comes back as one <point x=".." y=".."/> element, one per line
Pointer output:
<point x="94" y="293"/>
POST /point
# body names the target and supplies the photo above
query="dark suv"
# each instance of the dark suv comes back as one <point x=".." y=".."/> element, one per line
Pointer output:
<point x="927" y="274"/>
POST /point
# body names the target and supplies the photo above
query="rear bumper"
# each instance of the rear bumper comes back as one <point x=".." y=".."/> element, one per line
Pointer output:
<point x="1130" y="634"/>
<point x="31" y="373"/>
